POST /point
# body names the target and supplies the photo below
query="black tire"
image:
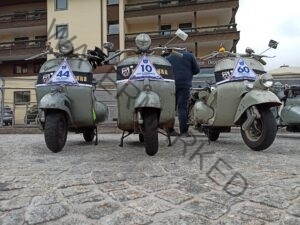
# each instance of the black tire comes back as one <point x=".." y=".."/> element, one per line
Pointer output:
<point x="141" y="138"/>
<point x="89" y="135"/>
<point x="150" y="131"/>
<point x="56" y="130"/>
<point x="262" y="132"/>
<point x="212" y="134"/>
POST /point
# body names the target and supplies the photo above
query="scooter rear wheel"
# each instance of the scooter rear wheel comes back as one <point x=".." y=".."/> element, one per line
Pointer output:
<point x="56" y="130"/>
<point x="262" y="132"/>
<point x="150" y="132"/>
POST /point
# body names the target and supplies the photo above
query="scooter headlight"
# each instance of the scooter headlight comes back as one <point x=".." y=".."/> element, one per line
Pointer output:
<point x="265" y="81"/>
<point x="65" y="46"/>
<point x="143" y="42"/>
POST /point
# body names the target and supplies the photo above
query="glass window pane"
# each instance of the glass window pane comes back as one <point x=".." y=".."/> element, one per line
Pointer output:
<point x="61" y="31"/>
<point x="61" y="4"/>
<point x="113" y="29"/>
<point x="112" y="2"/>
<point x="21" y="97"/>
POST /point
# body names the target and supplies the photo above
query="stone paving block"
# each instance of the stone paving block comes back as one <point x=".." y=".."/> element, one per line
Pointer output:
<point x="210" y="210"/>
<point x="149" y="206"/>
<point x="294" y="209"/>
<point x="236" y="218"/>
<point x="261" y="212"/>
<point x="100" y="210"/>
<point x="14" y="217"/>
<point x="76" y="190"/>
<point x="106" y="176"/>
<point x="174" y="196"/>
<point x="126" y="195"/>
<point x="86" y="197"/>
<point x="182" y="218"/>
<point x="221" y="198"/>
<point x="126" y="217"/>
<point x="113" y="186"/>
<point x="274" y="196"/>
<point x="15" y="203"/>
<point x="193" y="187"/>
<point x="289" y="220"/>
<point x="44" y="213"/>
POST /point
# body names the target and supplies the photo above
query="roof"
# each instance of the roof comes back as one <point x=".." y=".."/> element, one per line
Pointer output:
<point x="285" y="70"/>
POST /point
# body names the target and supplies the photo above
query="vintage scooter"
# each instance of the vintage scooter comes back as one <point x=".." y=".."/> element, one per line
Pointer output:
<point x="241" y="98"/>
<point x="288" y="114"/>
<point x="146" y="92"/>
<point x="65" y="95"/>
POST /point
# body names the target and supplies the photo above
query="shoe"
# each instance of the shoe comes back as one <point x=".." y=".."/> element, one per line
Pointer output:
<point x="185" y="135"/>
<point x="173" y="134"/>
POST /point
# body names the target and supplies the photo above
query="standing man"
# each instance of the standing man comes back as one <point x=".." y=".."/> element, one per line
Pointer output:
<point x="184" y="67"/>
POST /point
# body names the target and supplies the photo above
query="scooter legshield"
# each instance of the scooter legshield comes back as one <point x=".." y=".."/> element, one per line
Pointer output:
<point x="256" y="97"/>
<point x="56" y="101"/>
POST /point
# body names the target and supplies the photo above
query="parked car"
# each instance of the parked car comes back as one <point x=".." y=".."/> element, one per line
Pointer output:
<point x="31" y="115"/>
<point x="7" y="115"/>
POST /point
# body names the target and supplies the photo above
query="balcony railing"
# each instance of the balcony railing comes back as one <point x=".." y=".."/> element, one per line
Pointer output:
<point x="15" y="48"/>
<point x="220" y="29"/>
<point x="21" y="19"/>
<point x="169" y="3"/>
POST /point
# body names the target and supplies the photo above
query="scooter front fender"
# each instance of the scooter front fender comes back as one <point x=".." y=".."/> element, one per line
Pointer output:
<point x="58" y="101"/>
<point x="147" y="99"/>
<point x="256" y="97"/>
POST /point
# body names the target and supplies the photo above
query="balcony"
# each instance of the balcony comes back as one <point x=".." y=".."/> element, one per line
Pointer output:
<point x="175" y="6"/>
<point x="19" y="50"/>
<point x="24" y="19"/>
<point x="199" y="34"/>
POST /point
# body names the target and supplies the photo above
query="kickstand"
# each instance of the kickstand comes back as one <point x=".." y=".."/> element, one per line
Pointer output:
<point x="167" y="135"/>
<point x="169" y="138"/>
<point x="96" y="133"/>
<point x="124" y="136"/>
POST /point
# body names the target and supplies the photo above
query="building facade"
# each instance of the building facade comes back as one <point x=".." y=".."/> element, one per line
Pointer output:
<point x="27" y="25"/>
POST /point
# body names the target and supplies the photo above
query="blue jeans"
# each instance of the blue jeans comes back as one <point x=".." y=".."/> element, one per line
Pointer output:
<point x="182" y="99"/>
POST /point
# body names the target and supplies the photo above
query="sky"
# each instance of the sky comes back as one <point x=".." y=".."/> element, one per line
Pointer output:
<point x="261" y="20"/>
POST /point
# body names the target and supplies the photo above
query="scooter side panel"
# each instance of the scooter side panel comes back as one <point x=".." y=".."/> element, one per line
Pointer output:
<point x="225" y="106"/>
<point x="166" y="92"/>
<point x="81" y="105"/>
<point x="290" y="113"/>
<point x="256" y="97"/>
<point x="127" y="93"/>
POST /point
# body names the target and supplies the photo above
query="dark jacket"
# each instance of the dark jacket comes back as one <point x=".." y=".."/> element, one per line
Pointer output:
<point x="184" y="68"/>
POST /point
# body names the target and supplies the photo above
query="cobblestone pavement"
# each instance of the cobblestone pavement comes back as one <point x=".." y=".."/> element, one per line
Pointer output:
<point x="222" y="183"/>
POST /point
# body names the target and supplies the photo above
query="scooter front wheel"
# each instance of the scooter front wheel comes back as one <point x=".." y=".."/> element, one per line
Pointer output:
<point x="262" y="132"/>
<point x="56" y="130"/>
<point x="150" y="132"/>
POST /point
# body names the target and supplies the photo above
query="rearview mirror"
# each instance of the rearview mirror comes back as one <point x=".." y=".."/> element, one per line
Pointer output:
<point x="273" y="44"/>
<point x="181" y="34"/>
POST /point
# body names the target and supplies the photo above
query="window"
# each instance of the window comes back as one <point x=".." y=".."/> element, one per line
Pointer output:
<point x="186" y="27"/>
<point x="165" y="30"/>
<point x="61" y="4"/>
<point x="20" y="68"/>
<point x="113" y="28"/>
<point x="112" y="2"/>
<point x="62" y="31"/>
<point x="22" y="97"/>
